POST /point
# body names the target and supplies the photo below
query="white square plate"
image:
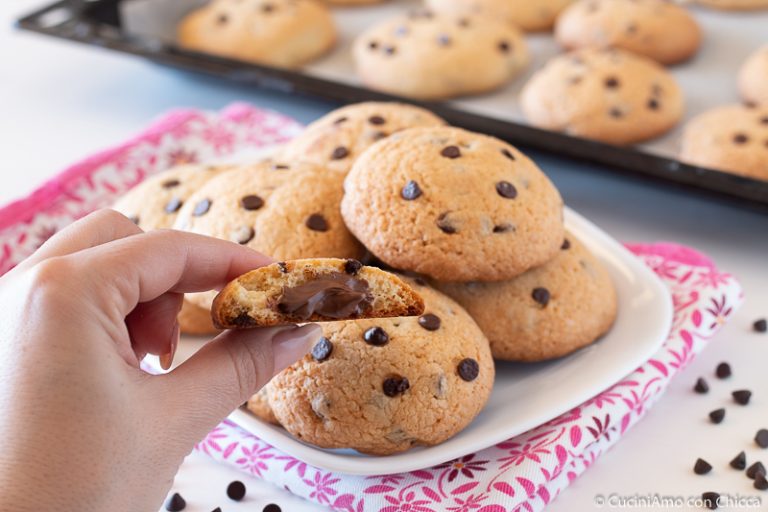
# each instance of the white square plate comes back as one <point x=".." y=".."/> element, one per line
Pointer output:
<point x="527" y="395"/>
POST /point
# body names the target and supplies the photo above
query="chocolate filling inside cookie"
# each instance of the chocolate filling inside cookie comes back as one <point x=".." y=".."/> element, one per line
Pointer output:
<point x="333" y="295"/>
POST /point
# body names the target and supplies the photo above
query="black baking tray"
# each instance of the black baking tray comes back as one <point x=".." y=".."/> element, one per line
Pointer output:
<point x="97" y="23"/>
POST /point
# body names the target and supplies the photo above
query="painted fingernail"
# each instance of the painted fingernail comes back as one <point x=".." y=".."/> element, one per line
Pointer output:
<point x="166" y="360"/>
<point x="289" y="346"/>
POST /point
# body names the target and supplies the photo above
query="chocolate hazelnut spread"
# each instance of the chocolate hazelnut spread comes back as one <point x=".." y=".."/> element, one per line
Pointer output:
<point x="334" y="295"/>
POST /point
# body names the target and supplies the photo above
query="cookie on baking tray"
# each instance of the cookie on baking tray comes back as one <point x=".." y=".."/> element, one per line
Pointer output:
<point x="382" y="386"/>
<point x="548" y="312"/>
<point x="453" y="204"/>
<point x="339" y="137"/>
<point x="312" y="290"/>
<point x="607" y="95"/>
<point x="732" y="139"/>
<point x="154" y="204"/>
<point x="431" y="56"/>
<point x="282" y="33"/>
<point x="734" y="5"/>
<point x="658" y="29"/>
<point x="753" y="78"/>
<point x="525" y="14"/>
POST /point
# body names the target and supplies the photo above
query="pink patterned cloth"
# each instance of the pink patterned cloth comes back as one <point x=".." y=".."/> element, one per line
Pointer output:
<point x="524" y="473"/>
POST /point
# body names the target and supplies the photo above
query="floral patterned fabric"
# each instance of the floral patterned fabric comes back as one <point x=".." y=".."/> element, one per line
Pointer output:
<point x="524" y="473"/>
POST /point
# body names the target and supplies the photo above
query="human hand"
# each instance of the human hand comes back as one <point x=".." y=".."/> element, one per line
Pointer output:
<point x="84" y="428"/>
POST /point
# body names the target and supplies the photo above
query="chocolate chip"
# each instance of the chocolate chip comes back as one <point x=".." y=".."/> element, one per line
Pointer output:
<point x="723" y="371"/>
<point x="202" y="207"/>
<point x="243" y="320"/>
<point x="372" y="45"/>
<point x="342" y="118"/>
<point x="444" y="225"/>
<point x="742" y="396"/>
<point x="468" y="369"/>
<point x="175" y="503"/>
<point x="616" y="113"/>
<point x="503" y="228"/>
<point x="611" y="82"/>
<point x="322" y="349"/>
<point x="710" y="500"/>
<point x="272" y="507"/>
<point x="541" y="295"/>
<point x="340" y="153"/>
<point x="451" y="152"/>
<point x="761" y="484"/>
<point x="243" y="235"/>
<point x="134" y="219"/>
<point x="236" y="490"/>
<point x="251" y="202"/>
<point x="764" y="120"/>
<point x="739" y="462"/>
<point x="352" y="267"/>
<point x="507" y="153"/>
<point x="702" y="467"/>
<point x="504" y="46"/>
<point x="740" y="138"/>
<point x="566" y="245"/>
<point x="653" y="104"/>
<point x="267" y="8"/>
<point x="429" y="322"/>
<point x="394" y="386"/>
<point x="755" y="469"/>
<point x="376" y="336"/>
<point x="506" y="190"/>
<point x="411" y="191"/>
<point x="222" y="19"/>
<point x="217" y="509"/>
<point x="376" y="120"/>
<point x="316" y="222"/>
<point x="761" y="438"/>
<point x="717" y="416"/>
<point x="444" y="40"/>
<point x="171" y="183"/>
<point x="173" y="205"/>
<point x="701" y="386"/>
<point x="281" y="167"/>
<point x="760" y="325"/>
<point x="282" y="266"/>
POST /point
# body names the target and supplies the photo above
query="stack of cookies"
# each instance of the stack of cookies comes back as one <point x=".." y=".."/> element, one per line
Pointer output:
<point x="470" y="223"/>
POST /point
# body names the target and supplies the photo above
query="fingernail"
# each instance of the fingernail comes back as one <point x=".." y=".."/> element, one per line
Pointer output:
<point x="166" y="360"/>
<point x="291" y="345"/>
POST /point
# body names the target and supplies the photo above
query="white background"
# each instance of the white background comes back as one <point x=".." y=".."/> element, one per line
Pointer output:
<point x="60" y="102"/>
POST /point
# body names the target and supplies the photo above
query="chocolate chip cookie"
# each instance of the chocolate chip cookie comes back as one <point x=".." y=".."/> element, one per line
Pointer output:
<point x="607" y="95"/>
<point x="660" y="30"/>
<point x="732" y="139"/>
<point x="452" y="204"/>
<point x="548" y="312"/>
<point x="753" y="78"/>
<point x="338" y="138"/>
<point x="525" y="14"/>
<point x="382" y="386"/>
<point x="312" y="290"/>
<point x="431" y="56"/>
<point x="259" y="406"/>
<point x="282" y="33"/>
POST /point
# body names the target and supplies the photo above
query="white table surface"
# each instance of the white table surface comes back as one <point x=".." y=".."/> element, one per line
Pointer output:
<point x="60" y="101"/>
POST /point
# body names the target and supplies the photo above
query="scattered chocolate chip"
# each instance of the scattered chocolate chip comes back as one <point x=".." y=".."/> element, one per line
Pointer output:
<point x="217" y="509"/>
<point x="282" y="266"/>
<point x="503" y="228"/>
<point x="702" y="467"/>
<point x="717" y="416"/>
<point x="701" y="386"/>
<point x="352" y="267"/>
<point x="376" y="120"/>
<point x="723" y="371"/>
<point x="267" y="8"/>
<point x="761" y="438"/>
<point x="611" y="82"/>
<point x="281" y="167"/>
<point x="411" y="191"/>
<point x="444" y="225"/>
<point x="653" y="104"/>
<point x="541" y="295"/>
<point x="340" y="153"/>
<point x="710" y="500"/>
<point x="222" y="19"/>
<point x="468" y="369"/>
<point x="507" y="153"/>
<point x="372" y="45"/>
<point x="504" y="46"/>
<point x="251" y="202"/>
<point x="566" y="245"/>
<point x="631" y="28"/>
<point x="236" y="490"/>
<point x="134" y="219"/>
<point x="761" y="484"/>
<point x="429" y="322"/>
<point x="616" y="113"/>
<point x="243" y="235"/>
<point x="444" y="40"/>
<point x="243" y="320"/>
<point x="202" y="207"/>
<point x="316" y="222"/>
<point x="171" y="183"/>
<point x="739" y="462"/>
<point x="451" y="152"/>
<point x="394" y="386"/>
<point x="322" y="349"/>
<point x="755" y="469"/>
<point x="740" y="138"/>
<point x="760" y="325"/>
<point x="173" y="205"/>
<point x="506" y="189"/>
<point x="742" y="396"/>
<point x="272" y="507"/>
<point x="175" y="503"/>
<point x="341" y="119"/>
<point x="376" y="336"/>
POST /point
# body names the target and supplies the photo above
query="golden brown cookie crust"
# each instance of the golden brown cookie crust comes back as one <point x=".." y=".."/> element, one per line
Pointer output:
<point x="753" y="78"/>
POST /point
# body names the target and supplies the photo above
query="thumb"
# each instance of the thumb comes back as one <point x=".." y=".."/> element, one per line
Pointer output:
<point x="225" y="373"/>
